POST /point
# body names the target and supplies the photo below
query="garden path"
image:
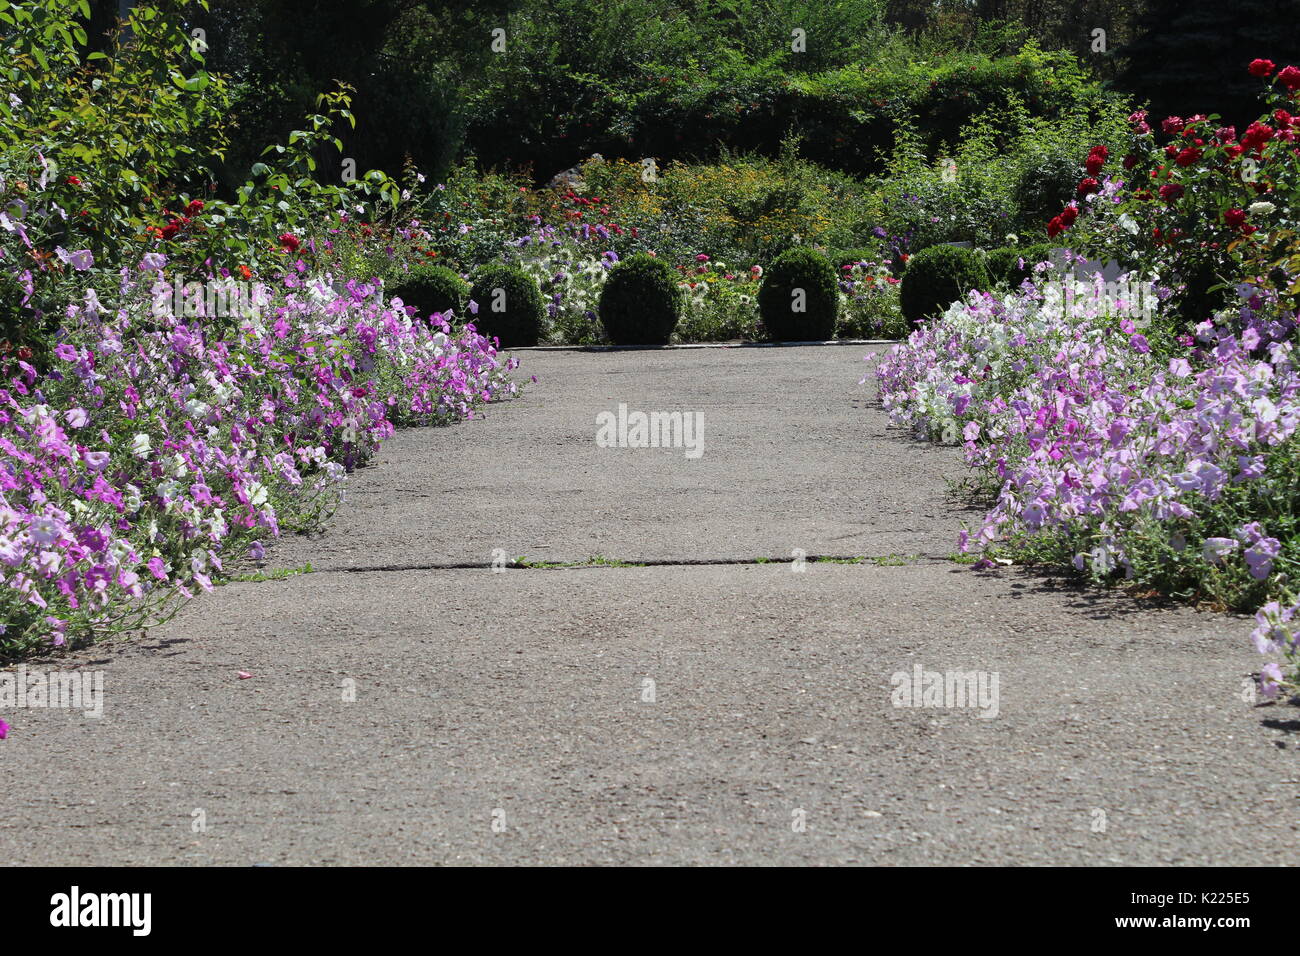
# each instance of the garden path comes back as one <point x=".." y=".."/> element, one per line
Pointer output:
<point x="706" y="707"/>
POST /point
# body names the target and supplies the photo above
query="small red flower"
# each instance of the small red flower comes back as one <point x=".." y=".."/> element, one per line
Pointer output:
<point x="1261" y="68"/>
<point x="1169" y="192"/>
<point x="1187" y="156"/>
<point x="1290" y="78"/>
<point x="1235" y="218"/>
<point x="289" y="241"/>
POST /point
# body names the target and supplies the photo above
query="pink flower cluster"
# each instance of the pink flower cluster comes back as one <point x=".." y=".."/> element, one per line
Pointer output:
<point x="153" y="451"/>
<point x="1164" y="470"/>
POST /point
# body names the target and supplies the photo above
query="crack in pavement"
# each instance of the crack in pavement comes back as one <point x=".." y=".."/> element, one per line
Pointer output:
<point x="882" y="560"/>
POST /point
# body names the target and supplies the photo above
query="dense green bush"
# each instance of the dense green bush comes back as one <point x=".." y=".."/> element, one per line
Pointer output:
<point x="431" y="289"/>
<point x="799" y="299"/>
<point x="1046" y="183"/>
<point x="1004" y="264"/>
<point x="509" y="305"/>
<point x="849" y="257"/>
<point x="640" y="303"/>
<point x="939" y="276"/>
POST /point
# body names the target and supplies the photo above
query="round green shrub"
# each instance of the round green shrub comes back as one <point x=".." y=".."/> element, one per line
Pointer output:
<point x="641" y="302"/>
<point x="799" y="298"/>
<point x="937" y="277"/>
<point x="431" y="289"/>
<point x="510" y="305"/>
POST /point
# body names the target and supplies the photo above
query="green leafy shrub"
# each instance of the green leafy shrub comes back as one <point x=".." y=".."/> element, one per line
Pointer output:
<point x="939" y="276"/>
<point x="799" y="300"/>
<point x="640" y="302"/>
<point x="431" y="289"/>
<point x="1046" y="183"/>
<point x="851" y="257"/>
<point x="1004" y="265"/>
<point x="509" y="305"/>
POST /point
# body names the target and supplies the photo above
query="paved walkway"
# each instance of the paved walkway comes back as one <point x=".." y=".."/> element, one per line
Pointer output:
<point x="706" y="708"/>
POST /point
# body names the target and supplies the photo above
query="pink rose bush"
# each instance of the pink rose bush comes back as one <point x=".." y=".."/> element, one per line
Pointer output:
<point x="153" y="451"/>
<point x="1180" y="473"/>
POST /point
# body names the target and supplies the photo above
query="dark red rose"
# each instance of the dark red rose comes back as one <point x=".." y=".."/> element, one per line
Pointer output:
<point x="1261" y="68"/>
<point x="1235" y="218"/>
<point x="1290" y="78"/>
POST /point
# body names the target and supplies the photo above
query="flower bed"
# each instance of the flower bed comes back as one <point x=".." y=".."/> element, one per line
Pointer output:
<point x="152" y="453"/>
<point x="1179" y="474"/>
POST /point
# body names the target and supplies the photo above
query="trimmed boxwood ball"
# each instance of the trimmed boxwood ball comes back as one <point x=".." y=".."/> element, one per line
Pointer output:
<point x="641" y="302"/>
<point x="799" y="298"/>
<point x="510" y="305"/>
<point x="937" y="277"/>
<point x="431" y="289"/>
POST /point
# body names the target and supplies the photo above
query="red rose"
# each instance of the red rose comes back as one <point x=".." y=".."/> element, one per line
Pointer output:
<point x="1261" y="68"/>
<point x="169" y="231"/>
<point x="1290" y="78"/>
<point x="1247" y="230"/>
<point x="1093" y="165"/>
<point x="1171" y="191"/>
<point x="289" y="241"/>
<point x="1187" y="156"/>
<point x="1256" y="135"/>
<point x="1055" y="227"/>
<point x="1283" y="118"/>
<point x="1087" y="186"/>
<point x="1068" y="215"/>
<point x="194" y="206"/>
<point x="1234" y="217"/>
<point x="1172" y="125"/>
<point x="1130" y="161"/>
<point x="74" y="181"/>
<point x="1225" y="134"/>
